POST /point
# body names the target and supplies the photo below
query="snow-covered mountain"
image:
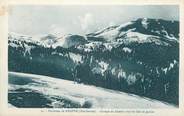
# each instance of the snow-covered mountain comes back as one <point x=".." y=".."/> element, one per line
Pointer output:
<point x="135" y="29"/>
<point x="48" y="40"/>
<point x="140" y="57"/>
<point x="144" y="30"/>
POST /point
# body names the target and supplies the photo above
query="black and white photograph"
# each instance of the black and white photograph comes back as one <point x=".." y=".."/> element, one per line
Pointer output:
<point x="93" y="56"/>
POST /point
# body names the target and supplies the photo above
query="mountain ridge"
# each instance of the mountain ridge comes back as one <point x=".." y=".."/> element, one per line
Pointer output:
<point x="139" y="57"/>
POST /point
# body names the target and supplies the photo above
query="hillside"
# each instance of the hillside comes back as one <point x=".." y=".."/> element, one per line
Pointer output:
<point x="139" y="57"/>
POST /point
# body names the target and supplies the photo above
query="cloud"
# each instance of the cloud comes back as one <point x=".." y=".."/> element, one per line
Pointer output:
<point x="86" y="21"/>
<point x="41" y="19"/>
<point x="112" y="23"/>
<point x="57" y="30"/>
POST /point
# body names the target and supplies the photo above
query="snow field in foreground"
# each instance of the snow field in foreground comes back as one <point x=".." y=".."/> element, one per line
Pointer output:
<point x="81" y="94"/>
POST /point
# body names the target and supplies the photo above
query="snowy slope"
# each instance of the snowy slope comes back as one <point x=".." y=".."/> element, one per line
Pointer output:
<point x="139" y="31"/>
<point x="141" y="28"/>
<point x="78" y="93"/>
<point x="126" y="57"/>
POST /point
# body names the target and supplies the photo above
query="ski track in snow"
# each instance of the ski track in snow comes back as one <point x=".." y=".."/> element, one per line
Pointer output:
<point x="81" y="94"/>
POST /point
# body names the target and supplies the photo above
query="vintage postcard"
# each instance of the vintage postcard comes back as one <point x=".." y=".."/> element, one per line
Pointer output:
<point x="91" y="58"/>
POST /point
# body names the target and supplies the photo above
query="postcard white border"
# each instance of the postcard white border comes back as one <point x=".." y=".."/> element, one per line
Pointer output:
<point x="4" y="10"/>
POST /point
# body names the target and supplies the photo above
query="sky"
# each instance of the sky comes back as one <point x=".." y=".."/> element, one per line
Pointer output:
<point x="60" y="20"/>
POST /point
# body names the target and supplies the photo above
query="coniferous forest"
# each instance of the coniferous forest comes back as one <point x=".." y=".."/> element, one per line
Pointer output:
<point x="146" y="65"/>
